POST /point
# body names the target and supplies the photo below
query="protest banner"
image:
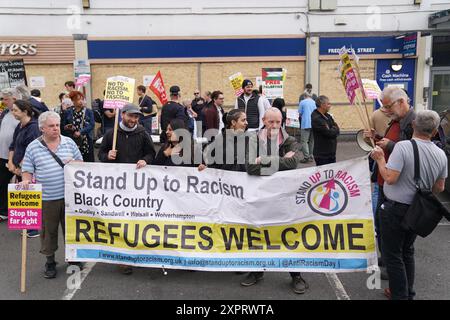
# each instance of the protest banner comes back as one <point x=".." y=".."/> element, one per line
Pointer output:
<point x="157" y="86"/>
<point x="351" y="80"/>
<point x="147" y="80"/>
<point x="179" y="218"/>
<point x="236" y="82"/>
<point x="292" y="118"/>
<point x="119" y="91"/>
<point x="37" y="82"/>
<point x="371" y="88"/>
<point x="12" y="74"/>
<point x="82" y="80"/>
<point x="348" y="76"/>
<point x="24" y="213"/>
<point x="272" y="86"/>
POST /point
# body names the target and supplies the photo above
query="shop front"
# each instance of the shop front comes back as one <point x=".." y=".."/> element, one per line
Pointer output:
<point x="383" y="59"/>
<point x="198" y="63"/>
<point x="48" y="62"/>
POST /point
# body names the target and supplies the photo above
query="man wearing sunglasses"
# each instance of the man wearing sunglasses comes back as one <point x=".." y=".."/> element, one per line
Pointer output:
<point x="198" y="104"/>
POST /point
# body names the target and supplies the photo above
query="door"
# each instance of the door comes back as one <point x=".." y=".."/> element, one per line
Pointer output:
<point x="440" y="93"/>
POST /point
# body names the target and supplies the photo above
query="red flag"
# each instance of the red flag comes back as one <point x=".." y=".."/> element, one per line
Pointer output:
<point x="157" y="86"/>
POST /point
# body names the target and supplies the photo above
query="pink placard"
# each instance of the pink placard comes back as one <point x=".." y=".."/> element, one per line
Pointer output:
<point x="28" y="219"/>
<point x="24" y="207"/>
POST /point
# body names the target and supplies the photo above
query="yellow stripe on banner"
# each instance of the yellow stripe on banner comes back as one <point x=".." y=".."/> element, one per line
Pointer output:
<point x="25" y="199"/>
<point x="334" y="236"/>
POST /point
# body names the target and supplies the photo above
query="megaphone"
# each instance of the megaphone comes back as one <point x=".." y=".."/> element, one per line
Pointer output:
<point x="362" y="143"/>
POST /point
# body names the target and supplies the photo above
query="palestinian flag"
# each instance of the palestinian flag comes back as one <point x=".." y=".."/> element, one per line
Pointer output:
<point x="272" y="74"/>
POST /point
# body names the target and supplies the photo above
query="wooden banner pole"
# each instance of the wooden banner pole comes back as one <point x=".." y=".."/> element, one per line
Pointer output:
<point x="116" y="125"/>
<point x="24" y="261"/>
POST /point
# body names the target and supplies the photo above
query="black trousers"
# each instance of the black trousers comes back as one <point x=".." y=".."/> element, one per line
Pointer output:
<point x="321" y="161"/>
<point x="398" y="250"/>
<point x="5" y="178"/>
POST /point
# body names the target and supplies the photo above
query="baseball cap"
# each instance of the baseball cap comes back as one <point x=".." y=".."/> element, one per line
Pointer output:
<point x="131" y="108"/>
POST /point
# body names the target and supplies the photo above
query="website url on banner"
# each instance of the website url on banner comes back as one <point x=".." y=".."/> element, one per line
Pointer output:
<point x="174" y="216"/>
<point x="232" y="263"/>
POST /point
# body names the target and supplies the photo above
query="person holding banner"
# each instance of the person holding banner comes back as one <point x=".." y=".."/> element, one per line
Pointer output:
<point x="252" y="105"/>
<point x="80" y="124"/>
<point x="271" y="150"/>
<point x="26" y="131"/>
<point x="134" y="145"/>
<point x="7" y="126"/>
<point x="148" y="109"/>
<point x="325" y="131"/>
<point x="231" y="140"/>
<point x="179" y="149"/>
<point x="44" y="159"/>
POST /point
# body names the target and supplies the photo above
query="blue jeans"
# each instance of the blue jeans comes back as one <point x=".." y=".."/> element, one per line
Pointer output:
<point x="376" y="190"/>
<point x="398" y="250"/>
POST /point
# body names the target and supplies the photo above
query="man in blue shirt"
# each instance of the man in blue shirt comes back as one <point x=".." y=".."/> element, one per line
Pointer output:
<point x="305" y="109"/>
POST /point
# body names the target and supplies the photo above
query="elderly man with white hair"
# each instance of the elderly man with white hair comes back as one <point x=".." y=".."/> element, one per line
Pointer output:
<point x="396" y="105"/>
<point x="7" y="126"/>
<point x="44" y="159"/>
<point x="399" y="191"/>
<point x="270" y="150"/>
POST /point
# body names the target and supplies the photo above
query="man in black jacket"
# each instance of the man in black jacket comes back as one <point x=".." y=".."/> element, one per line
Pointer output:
<point x="325" y="131"/>
<point x="134" y="145"/>
<point x="172" y="110"/>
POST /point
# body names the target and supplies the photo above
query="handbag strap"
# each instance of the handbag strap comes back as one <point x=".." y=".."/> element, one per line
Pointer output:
<point x="416" y="164"/>
<point x="41" y="140"/>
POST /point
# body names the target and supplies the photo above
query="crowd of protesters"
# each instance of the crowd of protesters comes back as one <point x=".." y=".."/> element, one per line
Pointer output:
<point x="35" y="144"/>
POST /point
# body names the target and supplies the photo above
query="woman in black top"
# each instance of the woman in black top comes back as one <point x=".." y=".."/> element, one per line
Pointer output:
<point x="232" y="138"/>
<point x="176" y="146"/>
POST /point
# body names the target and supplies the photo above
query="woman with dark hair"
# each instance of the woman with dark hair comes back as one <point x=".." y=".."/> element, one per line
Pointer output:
<point x="176" y="145"/>
<point x="280" y="105"/>
<point x="231" y="139"/>
<point x="79" y="123"/>
<point x="26" y="131"/>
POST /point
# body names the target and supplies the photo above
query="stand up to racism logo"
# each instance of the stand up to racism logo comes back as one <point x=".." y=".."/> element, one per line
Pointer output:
<point x="327" y="193"/>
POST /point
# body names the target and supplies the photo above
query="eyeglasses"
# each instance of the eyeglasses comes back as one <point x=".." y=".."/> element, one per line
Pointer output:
<point x="389" y="106"/>
<point x="196" y="92"/>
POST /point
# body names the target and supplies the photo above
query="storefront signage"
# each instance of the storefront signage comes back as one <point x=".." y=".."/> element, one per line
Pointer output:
<point x="18" y="49"/>
<point x="361" y="45"/>
<point x="404" y="78"/>
<point x="410" y="45"/>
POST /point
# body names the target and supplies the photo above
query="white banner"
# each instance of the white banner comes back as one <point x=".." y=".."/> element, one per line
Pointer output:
<point x="311" y="220"/>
